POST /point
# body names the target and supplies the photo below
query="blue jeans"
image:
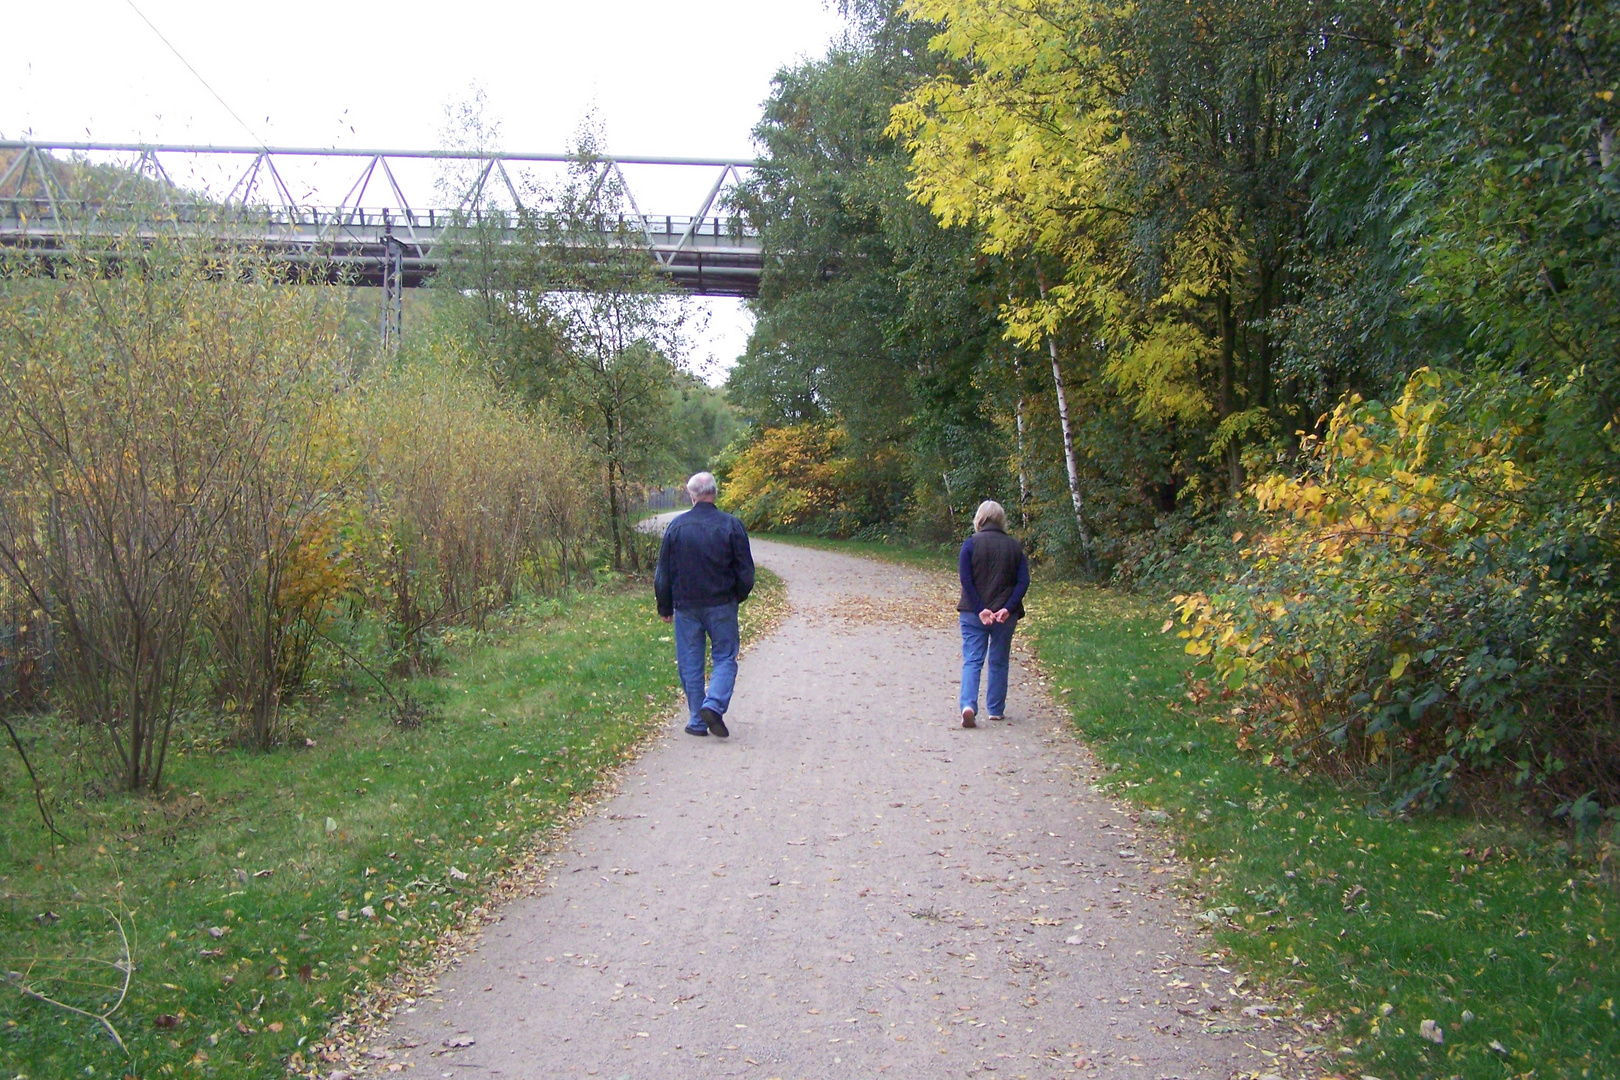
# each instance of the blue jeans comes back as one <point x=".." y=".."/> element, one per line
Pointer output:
<point x="978" y="643"/>
<point x="719" y="624"/>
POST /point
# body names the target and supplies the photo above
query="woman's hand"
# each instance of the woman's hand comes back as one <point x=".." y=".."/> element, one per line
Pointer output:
<point x="986" y="617"/>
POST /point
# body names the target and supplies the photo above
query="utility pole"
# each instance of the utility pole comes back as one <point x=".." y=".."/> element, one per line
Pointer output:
<point x="393" y="293"/>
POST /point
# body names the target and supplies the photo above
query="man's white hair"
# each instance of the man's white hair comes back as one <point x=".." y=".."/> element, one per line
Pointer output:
<point x="990" y="512"/>
<point x="702" y="485"/>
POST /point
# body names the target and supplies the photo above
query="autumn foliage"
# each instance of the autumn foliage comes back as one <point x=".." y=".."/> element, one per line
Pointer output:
<point x="1434" y="593"/>
<point x="803" y="478"/>
<point x="197" y="496"/>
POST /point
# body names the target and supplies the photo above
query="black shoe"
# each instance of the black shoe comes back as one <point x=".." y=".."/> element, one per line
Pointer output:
<point x="717" y="726"/>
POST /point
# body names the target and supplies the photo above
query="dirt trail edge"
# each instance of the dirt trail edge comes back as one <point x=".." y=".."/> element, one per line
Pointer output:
<point x="850" y="886"/>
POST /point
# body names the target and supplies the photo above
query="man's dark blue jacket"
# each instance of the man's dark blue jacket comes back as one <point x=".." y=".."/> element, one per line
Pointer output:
<point x="704" y="561"/>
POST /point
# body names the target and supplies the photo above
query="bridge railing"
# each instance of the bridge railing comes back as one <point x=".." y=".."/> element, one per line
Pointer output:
<point x="70" y="213"/>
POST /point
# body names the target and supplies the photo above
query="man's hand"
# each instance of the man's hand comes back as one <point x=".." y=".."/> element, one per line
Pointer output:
<point x="667" y="618"/>
<point x="986" y="617"/>
<point x="1002" y="615"/>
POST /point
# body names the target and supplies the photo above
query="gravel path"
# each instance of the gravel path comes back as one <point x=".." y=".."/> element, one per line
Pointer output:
<point x="851" y="886"/>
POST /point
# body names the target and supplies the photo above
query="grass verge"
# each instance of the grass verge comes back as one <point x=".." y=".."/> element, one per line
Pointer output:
<point x="263" y="892"/>
<point x="1501" y="935"/>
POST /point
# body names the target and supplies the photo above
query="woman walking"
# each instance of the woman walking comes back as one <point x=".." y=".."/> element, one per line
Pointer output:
<point x="995" y="575"/>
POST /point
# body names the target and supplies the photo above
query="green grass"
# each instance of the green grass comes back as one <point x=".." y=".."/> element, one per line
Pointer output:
<point x="928" y="557"/>
<point x="264" y="889"/>
<point x="1353" y="913"/>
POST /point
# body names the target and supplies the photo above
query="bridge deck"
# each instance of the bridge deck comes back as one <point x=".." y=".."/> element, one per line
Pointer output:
<point x="708" y="257"/>
<point x="396" y="246"/>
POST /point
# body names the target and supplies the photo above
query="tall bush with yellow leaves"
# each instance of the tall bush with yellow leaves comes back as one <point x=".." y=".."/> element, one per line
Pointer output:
<point x="1437" y="592"/>
<point x="472" y="497"/>
<point x="147" y="420"/>
<point x="192" y="490"/>
<point x="803" y="479"/>
<point x="280" y="567"/>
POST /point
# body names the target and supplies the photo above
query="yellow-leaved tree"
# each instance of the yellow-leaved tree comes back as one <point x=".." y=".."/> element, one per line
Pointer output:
<point x="1020" y="150"/>
<point x="1146" y="190"/>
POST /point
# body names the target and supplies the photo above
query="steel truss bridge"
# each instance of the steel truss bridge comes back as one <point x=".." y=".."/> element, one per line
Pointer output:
<point x="374" y="235"/>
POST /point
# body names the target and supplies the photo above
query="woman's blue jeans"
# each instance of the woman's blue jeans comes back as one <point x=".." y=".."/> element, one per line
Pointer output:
<point x="979" y="643"/>
<point x="719" y="625"/>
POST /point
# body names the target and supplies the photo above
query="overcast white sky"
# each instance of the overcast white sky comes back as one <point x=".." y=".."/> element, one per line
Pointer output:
<point x="679" y="78"/>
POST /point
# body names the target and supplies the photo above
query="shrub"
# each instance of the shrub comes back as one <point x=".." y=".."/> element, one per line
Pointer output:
<point x="130" y="407"/>
<point x="1182" y="551"/>
<point x="192" y="483"/>
<point x="278" y="562"/>
<point x="1437" y="591"/>
<point x="805" y="478"/>
<point x="472" y="498"/>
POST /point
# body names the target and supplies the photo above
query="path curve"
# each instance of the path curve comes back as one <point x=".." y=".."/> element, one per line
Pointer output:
<point x="851" y="886"/>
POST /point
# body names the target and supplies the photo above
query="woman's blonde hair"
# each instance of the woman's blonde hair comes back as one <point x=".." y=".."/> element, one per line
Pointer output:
<point x="989" y="512"/>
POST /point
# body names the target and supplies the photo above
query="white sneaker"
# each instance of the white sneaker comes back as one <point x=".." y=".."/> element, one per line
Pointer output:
<point x="967" y="717"/>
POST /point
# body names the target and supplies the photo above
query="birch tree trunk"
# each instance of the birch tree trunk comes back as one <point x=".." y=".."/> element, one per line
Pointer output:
<point x="1018" y="417"/>
<point x="1068" y="435"/>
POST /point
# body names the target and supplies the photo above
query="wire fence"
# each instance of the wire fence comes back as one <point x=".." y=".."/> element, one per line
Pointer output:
<point x="26" y="656"/>
<point x="666" y="498"/>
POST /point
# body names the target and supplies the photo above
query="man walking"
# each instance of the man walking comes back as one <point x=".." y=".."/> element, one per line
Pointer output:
<point x="705" y="569"/>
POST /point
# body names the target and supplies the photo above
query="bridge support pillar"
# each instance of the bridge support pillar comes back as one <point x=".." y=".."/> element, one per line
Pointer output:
<point x="393" y="294"/>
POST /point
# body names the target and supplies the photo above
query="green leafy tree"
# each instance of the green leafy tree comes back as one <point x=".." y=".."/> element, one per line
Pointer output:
<point x="870" y="314"/>
<point x="558" y="300"/>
